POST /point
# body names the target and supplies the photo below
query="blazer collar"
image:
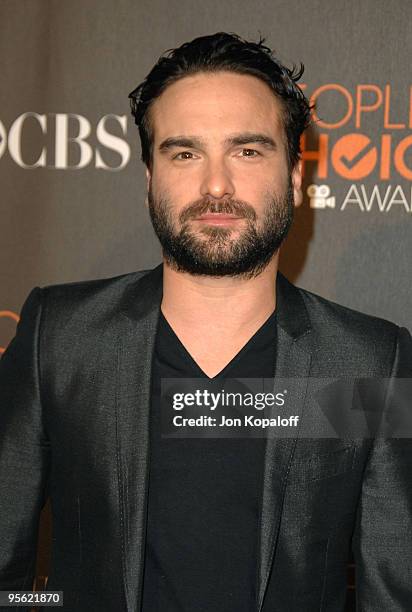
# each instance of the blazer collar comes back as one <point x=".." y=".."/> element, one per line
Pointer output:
<point x="145" y="295"/>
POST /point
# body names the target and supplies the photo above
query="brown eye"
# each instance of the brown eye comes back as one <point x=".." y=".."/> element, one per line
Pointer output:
<point x="184" y="155"/>
<point x="249" y="153"/>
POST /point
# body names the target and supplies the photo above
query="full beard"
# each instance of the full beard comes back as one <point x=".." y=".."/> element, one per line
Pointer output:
<point x="211" y="251"/>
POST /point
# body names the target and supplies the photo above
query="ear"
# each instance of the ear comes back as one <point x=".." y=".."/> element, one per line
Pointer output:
<point x="297" y="184"/>
<point x="148" y="179"/>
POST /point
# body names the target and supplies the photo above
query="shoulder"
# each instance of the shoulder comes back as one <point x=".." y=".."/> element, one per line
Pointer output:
<point x="333" y="316"/>
<point x="80" y="290"/>
<point x="95" y="295"/>
<point x="76" y="306"/>
<point x="348" y="336"/>
<point x="77" y="319"/>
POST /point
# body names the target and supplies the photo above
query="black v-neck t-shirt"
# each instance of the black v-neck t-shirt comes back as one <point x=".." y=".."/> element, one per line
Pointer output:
<point x="204" y="503"/>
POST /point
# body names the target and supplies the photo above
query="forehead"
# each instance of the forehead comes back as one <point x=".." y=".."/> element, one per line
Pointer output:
<point x="211" y="105"/>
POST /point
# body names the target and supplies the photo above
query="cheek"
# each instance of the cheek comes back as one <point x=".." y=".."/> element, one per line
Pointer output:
<point x="173" y="181"/>
<point x="172" y="193"/>
<point x="257" y="193"/>
<point x="258" y="181"/>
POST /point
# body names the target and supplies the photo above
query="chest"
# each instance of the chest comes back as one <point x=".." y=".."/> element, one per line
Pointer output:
<point x="214" y="350"/>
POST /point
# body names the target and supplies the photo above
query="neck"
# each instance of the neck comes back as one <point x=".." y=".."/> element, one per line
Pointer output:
<point x="234" y="303"/>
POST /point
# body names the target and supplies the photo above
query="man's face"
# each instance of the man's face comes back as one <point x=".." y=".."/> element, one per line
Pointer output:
<point x="220" y="193"/>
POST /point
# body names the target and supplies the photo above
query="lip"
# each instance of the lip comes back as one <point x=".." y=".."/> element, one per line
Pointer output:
<point x="218" y="219"/>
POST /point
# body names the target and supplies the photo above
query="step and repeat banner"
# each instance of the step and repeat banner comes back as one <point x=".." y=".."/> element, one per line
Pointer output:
<point x="72" y="184"/>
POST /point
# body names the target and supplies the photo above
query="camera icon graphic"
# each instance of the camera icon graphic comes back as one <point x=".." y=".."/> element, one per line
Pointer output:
<point x="319" y="196"/>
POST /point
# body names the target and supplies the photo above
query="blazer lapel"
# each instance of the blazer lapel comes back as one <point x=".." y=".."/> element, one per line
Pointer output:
<point x="293" y="359"/>
<point x="140" y="310"/>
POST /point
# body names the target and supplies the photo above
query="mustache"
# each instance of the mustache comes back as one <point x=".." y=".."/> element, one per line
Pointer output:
<point x="228" y="207"/>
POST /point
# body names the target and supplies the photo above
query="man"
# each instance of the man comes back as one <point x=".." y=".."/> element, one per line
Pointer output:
<point x="147" y="522"/>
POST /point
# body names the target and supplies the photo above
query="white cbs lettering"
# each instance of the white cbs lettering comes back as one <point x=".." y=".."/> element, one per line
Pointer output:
<point x="63" y="139"/>
<point x="112" y="142"/>
<point x="15" y="140"/>
<point x="66" y="145"/>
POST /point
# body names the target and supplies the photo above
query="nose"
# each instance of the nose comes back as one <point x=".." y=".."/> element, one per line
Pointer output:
<point x="217" y="182"/>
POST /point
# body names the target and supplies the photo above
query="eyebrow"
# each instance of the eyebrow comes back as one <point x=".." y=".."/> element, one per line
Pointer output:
<point x="252" y="137"/>
<point x="193" y="142"/>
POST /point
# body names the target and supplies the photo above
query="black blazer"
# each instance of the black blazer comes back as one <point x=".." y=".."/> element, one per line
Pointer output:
<point x="74" y="418"/>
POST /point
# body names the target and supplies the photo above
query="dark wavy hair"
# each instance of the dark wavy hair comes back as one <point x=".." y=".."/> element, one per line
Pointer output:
<point x="224" y="52"/>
